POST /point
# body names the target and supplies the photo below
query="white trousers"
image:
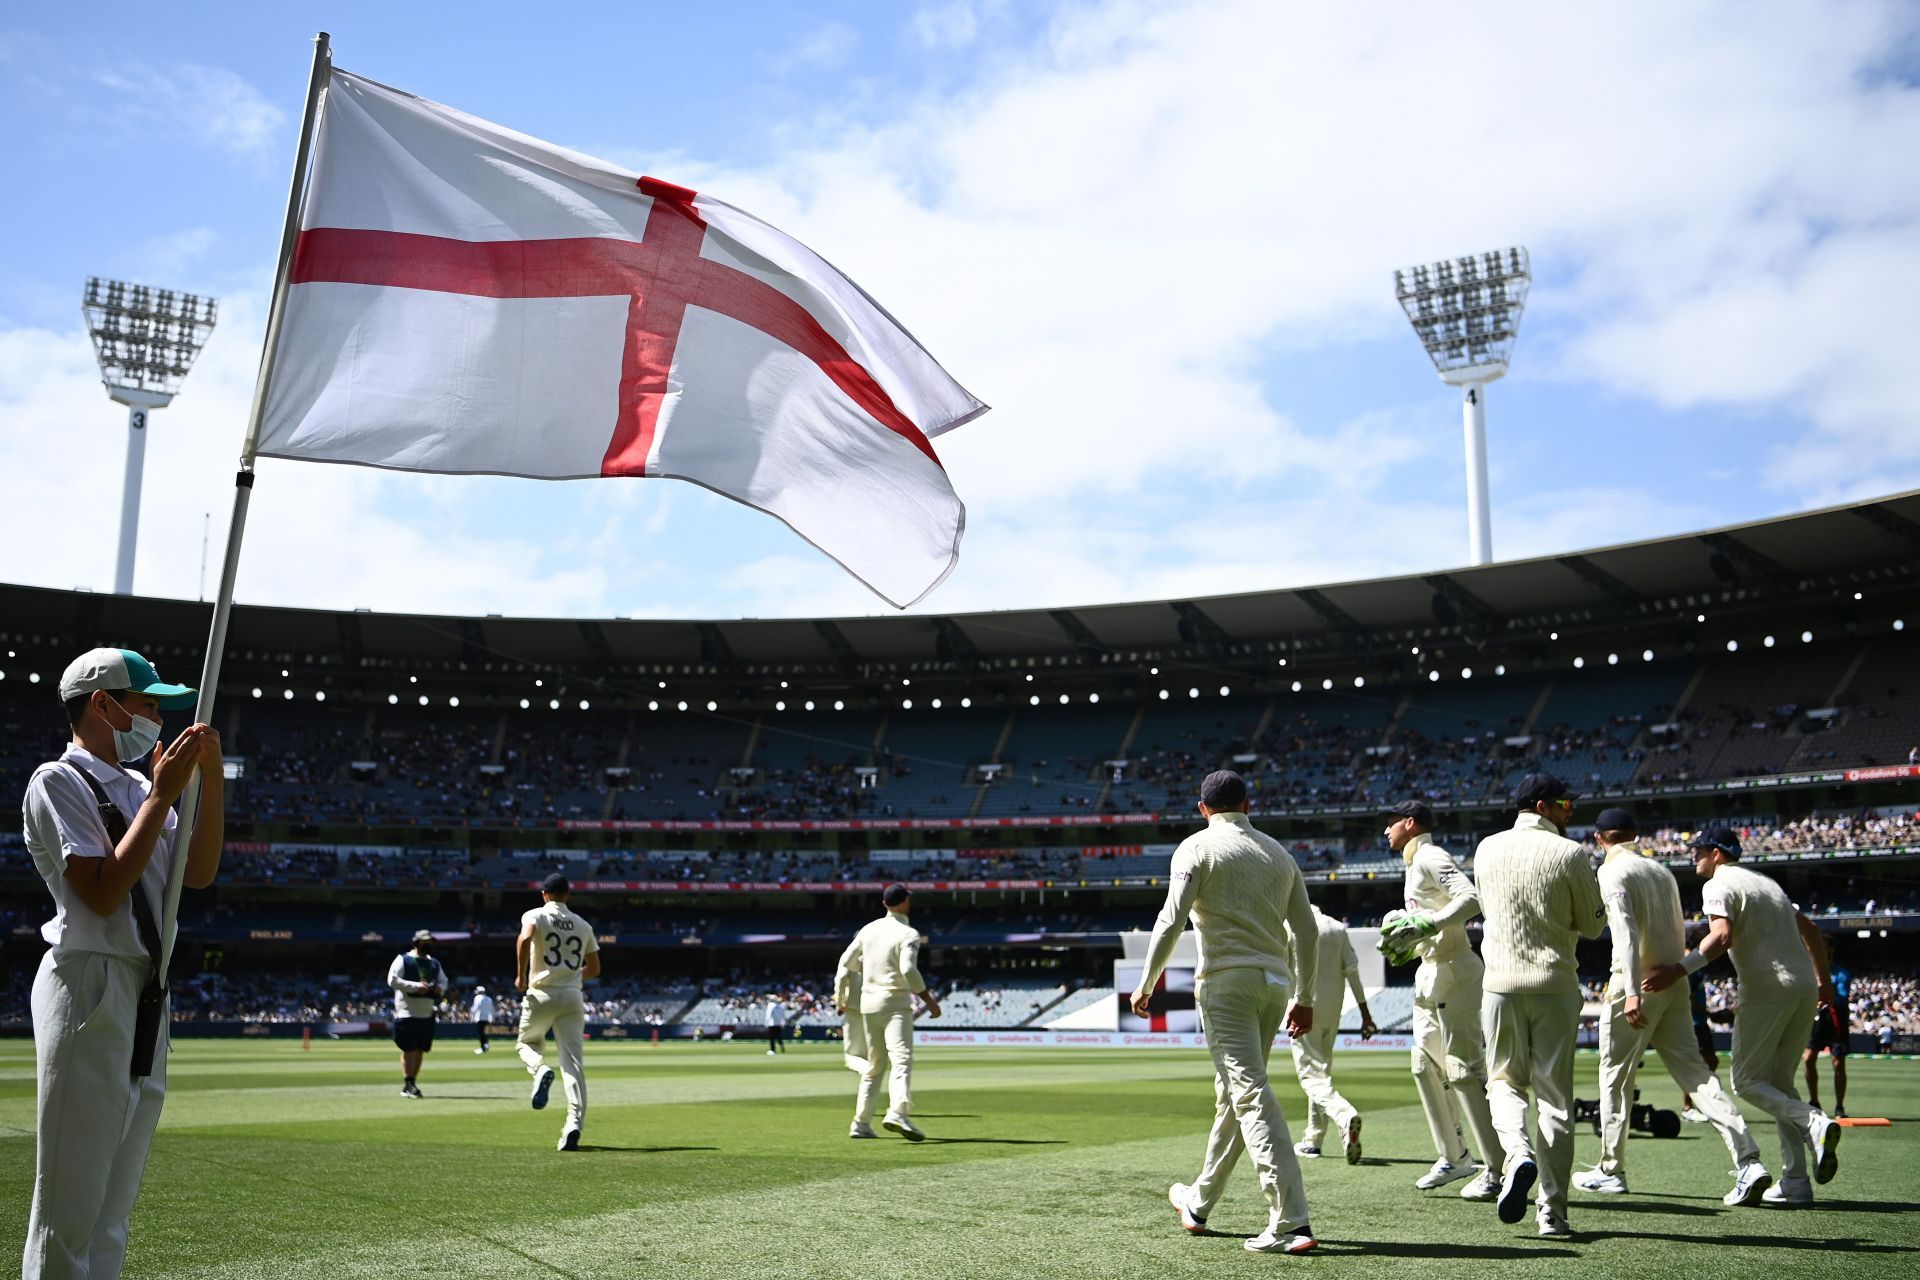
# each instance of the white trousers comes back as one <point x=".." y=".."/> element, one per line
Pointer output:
<point x="1530" y="1047"/>
<point x="1768" y="1039"/>
<point x="1669" y="1033"/>
<point x="1242" y="1010"/>
<point x="95" y="1122"/>
<point x="1449" y="1058"/>
<point x="564" y="1013"/>
<point x="1313" y="1063"/>
<point x="890" y="1054"/>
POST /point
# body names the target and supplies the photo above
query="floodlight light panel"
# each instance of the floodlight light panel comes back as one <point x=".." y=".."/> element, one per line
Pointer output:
<point x="145" y="339"/>
<point x="1466" y="311"/>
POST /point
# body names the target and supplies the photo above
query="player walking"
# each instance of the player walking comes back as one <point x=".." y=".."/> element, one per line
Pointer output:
<point x="1244" y="893"/>
<point x="555" y="952"/>
<point x="1449" y="1057"/>
<point x="418" y="982"/>
<point x="482" y="1014"/>
<point x="878" y="976"/>
<point x="1782" y="964"/>
<point x="1313" y="1052"/>
<point x="1833" y="1032"/>
<point x="776" y="1024"/>
<point x="1541" y="897"/>
<point x="1644" y="920"/>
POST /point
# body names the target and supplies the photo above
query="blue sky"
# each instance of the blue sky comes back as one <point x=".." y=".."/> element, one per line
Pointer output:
<point x="1157" y="238"/>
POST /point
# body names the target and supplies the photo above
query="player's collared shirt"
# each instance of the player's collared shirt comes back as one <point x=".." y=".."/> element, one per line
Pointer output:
<point x="1248" y="902"/>
<point x="776" y="1014"/>
<point x="1768" y="954"/>
<point x="1436" y="885"/>
<point x="483" y="1008"/>
<point x="1540" y="896"/>
<point x="1643" y="915"/>
<point x="62" y="820"/>
<point x="1339" y="967"/>
<point x="885" y="958"/>
<point x="562" y="941"/>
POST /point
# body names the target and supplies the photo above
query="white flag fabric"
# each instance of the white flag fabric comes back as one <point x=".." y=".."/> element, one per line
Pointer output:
<point x="466" y="299"/>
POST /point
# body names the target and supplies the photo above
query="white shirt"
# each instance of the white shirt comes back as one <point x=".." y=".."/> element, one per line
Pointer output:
<point x="62" y="820"/>
<point x="1248" y="901"/>
<point x="1540" y="897"/>
<point x="1768" y="954"/>
<point x="1436" y="885"/>
<point x="1643" y="915"/>
<point x="776" y="1014"/>
<point x="562" y="941"/>
<point x="885" y="957"/>
<point x="1338" y="966"/>
<point x="483" y="1008"/>
<point x="409" y="994"/>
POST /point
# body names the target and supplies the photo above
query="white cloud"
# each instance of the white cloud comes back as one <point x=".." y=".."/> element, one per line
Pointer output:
<point x="210" y="104"/>
<point x="820" y="48"/>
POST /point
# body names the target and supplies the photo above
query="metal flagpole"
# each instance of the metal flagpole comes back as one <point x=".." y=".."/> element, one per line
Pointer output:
<point x="243" y="490"/>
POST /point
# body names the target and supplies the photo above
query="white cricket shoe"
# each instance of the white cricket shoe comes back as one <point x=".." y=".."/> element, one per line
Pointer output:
<point x="1609" y="1184"/>
<point x="1443" y="1172"/>
<point x="570" y="1140"/>
<point x="859" y="1130"/>
<point x="478" y="1052"/>
<point x="1310" y="1150"/>
<point x="1514" y="1188"/>
<point x="1788" y="1193"/>
<point x="1485" y="1186"/>
<point x="1750" y="1182"/>
<point x="904" y="1127"/>
<point x="1552" y="1224"/>
<point x="1282" y="1237"/>
<point x="1823" y="1132"/>
<point x="1180" y="1195"/>
<point x="1350" y="1137"/>
<point x="1693" y="1115"/>
<point x="542" y="1086"/>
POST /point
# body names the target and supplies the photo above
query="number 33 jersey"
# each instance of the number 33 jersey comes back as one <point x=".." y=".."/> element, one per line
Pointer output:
<point x="562" y="941"/>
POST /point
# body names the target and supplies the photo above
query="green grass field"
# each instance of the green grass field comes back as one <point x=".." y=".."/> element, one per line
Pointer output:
<point x="718" y="1160"/>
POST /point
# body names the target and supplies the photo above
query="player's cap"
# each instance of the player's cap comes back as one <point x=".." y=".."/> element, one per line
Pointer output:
<point x="423" y="935"/>
<point x="1223" y="789"/>
<point x="555" y="883"/>
<point x="895" y="894"/>
<point x="1536" y="787"/>
<point x="1617" y="819"/>
<point x="1419" y="810"/>
<point x="1719" y="836"/>
<point x="117" y="669"/>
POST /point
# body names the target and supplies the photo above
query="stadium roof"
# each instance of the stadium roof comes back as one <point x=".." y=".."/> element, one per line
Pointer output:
<point x="1802" y="561"/>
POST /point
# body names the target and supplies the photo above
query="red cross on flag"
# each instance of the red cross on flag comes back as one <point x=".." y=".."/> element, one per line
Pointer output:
<point x="466" y="299"/>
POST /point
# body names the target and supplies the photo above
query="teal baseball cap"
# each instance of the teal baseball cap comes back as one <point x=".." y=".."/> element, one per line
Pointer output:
<point x="116" y="669"/>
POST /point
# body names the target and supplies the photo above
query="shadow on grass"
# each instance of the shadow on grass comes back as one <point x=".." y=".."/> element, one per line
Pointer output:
<point x="1003" y="1142"/>
<point x="1645" y="1206"/>
<point x="1440" y="1249"/>
<point x="650" y="1151"/>
<point x="1824" y="1244"/>
<point x="934" y="1115"/>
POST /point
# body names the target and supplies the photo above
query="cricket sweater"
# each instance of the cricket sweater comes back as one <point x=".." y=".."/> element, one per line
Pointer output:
<point x="1539" y="896"/>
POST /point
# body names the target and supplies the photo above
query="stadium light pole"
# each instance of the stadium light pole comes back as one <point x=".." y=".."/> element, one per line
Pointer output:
<point x="1466" y="312"/>
<point x="145" y="340"/>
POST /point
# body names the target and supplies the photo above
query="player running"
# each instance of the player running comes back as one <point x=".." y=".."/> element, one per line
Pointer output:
<point x="555" y="952"/>
<point x="1313" y="1052"/>
<point x="1449" y="1057"/>
<point x="1643" y="917"/>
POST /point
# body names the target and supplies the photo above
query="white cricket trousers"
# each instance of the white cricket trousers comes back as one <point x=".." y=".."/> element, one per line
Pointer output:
<point x="1450" y="1060"/>
<point x="1313" y="1063"/>
<point x="95" y="1121"/>
<point x="1768" y="1038"/>
<point x="1530" y="1048"/>
<point x="564" y="1012"/>
<point x="1242" y="1010"/>
<point x="1669" y="1033"/>
<point x="890" y="1054"/>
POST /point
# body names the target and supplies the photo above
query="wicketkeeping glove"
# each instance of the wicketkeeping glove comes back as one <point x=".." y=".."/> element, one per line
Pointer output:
<point x="1396" y="947"/>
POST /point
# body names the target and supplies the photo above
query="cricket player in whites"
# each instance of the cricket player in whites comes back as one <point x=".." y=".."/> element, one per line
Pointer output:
<point x="555" y="952"/>
<point x="1313" y="1052"/>
<point x="1449" y="1057"/>
<point x="1782" y="963"/>
<point x="1647" y="931"/>
<point x="1541" y="897"/>
<point x="1257" y="937"/>
<point x="879" y="975"/>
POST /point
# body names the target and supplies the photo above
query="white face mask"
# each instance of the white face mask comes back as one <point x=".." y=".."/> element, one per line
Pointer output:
<point x="135" y="743"/>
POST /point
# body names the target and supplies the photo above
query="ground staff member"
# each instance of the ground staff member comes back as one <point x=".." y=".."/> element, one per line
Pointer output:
<point x="417" y="982"/>
<point x="1540" y="897"/>
<point x="1244" y="893"/>
<point x="1449" y="1056"/>
<point x="555" y="952"/>
<point x="1644" y="920"/>
<point x="1782" y="964"/>
<point x="104" y="839"/>
<point x="1313" y="1052"/>
<point x="776" y="1024"/>
<point x="879" y="975"/>
<point x="482" y="1015"/>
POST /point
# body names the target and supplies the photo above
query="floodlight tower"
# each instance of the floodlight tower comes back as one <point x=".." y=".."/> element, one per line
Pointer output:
<point x="146" y="340"/>
<point x="1467" y="313"/>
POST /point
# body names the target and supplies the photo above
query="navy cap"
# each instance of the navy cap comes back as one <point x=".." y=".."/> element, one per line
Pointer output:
<point x="555" y="883"/>
<point x="1616" y="819"/>
<point x="1419" y="810"/>
<point x="894" y="894"/>
<point x="1536" y="787"/>
<point x="1719" y="836"/>
<point x="1223" y="789"/>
